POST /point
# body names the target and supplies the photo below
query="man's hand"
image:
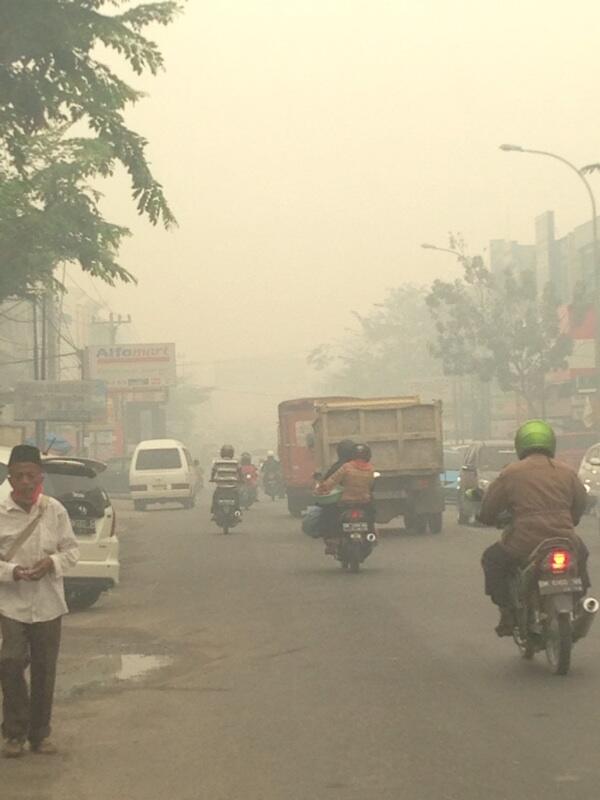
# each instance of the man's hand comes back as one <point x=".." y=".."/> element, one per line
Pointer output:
<point x="20" y="574"/>
<point x="39" y="570"/>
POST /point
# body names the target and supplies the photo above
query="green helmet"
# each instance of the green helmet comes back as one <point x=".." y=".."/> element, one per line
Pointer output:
<point x="535" y="435"/>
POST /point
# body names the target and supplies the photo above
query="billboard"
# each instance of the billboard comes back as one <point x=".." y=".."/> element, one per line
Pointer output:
<point x="60" y="401"/>
<point x="127" y="367"/>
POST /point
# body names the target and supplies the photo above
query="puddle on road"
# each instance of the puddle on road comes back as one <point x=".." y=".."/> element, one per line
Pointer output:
<point x="109" y="670"/>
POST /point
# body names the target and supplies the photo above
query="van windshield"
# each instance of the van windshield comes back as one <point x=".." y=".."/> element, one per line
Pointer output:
<point x="164" y="458"/>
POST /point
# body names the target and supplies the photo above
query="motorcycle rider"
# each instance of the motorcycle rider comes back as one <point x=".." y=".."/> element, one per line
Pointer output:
<point x="226" y="474"/>
<point x="271" y="470"/>
<point x="345" y="453"/>
<point x="545" y="499"/>
<point x="329" y="514"/>
<point x="249" y="474"/>
<point x="356" y="478"/>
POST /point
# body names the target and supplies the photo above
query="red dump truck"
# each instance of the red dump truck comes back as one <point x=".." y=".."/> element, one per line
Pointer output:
<point x="296" y="449"/>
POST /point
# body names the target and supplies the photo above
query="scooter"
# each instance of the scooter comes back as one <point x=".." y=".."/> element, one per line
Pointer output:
<point x="227" y="514"/>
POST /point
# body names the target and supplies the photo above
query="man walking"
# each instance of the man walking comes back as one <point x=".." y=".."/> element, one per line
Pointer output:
<point x="37" y="546"/>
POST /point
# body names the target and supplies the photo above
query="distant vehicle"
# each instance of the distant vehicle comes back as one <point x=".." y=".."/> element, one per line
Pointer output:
<point x="571" y="447"/>
<point x="115" y="478"/>
<point x="589" y="474"/>
<point x="75" y="483"/>
<point x="483" y="462"/>
<point x="405" y="437"/>
<point x="162" y="471"/>
<point x="296" y="450"/>
<point x="453" y="461"/>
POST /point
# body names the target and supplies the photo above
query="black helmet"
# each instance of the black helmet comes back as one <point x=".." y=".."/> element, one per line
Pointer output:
<point x="246" y="458"/>
<point x="345" y="449"/>
<point x="361" y="452"/>
<point x="227" y="451"/>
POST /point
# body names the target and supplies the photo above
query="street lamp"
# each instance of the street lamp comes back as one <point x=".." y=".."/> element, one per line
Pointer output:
<point x="515" y="148"/>
<point x="426" y="246"/>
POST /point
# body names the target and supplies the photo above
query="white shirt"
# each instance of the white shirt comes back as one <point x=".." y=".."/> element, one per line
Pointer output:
<point x="43" y="600"/>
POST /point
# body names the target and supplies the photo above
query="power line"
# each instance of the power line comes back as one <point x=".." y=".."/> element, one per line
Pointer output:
<point x="31" y="360"/>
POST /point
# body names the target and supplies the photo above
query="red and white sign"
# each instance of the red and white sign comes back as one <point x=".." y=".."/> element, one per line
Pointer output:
<point x="132" y="367"/>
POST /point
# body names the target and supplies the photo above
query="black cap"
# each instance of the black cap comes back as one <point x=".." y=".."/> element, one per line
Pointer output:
<point x="24" y="453"/>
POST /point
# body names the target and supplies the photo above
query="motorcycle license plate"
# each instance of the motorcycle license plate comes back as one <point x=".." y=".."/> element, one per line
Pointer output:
<point x="355" y="527"/>
<point x="226" y="502"/>
<point x="559" y="585"/>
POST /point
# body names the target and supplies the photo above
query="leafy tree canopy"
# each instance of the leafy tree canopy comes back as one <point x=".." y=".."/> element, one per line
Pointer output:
<point x="51" y="78"/>
<point x="499" y="327"/>
<point x="387" y="351"/>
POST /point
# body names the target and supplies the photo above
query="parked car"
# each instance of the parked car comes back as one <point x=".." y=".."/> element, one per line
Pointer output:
<point x="453" y="461"/>
<point x="75" y="483"/>
<point x="571" y="447"/>
<point x="483" y="462"/>
<point x="589" y="474"/>
<point x="162" y="471"/>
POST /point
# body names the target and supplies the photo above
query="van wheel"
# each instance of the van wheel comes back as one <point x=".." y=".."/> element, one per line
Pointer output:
<point x="139" y="505"/>
<point x="79" y="599"/>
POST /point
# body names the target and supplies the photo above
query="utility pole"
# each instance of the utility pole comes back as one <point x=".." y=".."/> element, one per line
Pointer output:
<point x="114" y="323"/>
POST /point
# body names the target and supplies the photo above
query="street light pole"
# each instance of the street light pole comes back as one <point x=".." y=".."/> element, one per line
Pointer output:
<point x="456" y="383"/>
<point x="515" y="148"/>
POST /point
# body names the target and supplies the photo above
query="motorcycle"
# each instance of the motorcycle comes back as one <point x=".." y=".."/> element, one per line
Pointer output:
<point x="227" y="514"/>
<point x="550" y="611"/>
<point x="357" y="538"/>
<point x="248" y="493"/>
<point x="547" y="598"/>
<point x="271" y="486"/>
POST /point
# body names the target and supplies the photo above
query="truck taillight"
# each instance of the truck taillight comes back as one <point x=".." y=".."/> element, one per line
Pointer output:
<point x="422" y="483"/>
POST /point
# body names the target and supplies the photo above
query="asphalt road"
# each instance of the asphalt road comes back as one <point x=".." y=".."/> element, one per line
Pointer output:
<point x="280" y="677"/>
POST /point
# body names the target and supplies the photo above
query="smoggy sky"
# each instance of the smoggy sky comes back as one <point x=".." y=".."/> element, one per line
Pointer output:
<point x="308" y="147"/>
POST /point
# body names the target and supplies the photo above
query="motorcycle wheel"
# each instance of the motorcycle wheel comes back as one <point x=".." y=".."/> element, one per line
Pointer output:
<point x="559" y="642"/>
<point x="354" y="558"/>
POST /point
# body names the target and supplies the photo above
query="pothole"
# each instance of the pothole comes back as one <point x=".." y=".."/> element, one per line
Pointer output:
<point x="109" y="670"/>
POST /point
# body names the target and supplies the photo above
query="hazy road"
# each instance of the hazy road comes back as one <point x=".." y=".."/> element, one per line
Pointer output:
<point x="291" y="680"/>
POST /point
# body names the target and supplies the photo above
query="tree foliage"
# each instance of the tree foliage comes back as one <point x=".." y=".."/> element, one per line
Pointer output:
<point x="51" y="79"/>
<point x="499" y="327"/>
<point x="386" y="352"/>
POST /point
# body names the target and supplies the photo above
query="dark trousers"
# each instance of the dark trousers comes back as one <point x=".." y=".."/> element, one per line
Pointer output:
<point x="26" y="714"/>
<point x="498" y="565"/>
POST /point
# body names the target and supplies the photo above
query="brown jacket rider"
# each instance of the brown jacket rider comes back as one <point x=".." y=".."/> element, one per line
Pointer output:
<point x="545" y="497"/>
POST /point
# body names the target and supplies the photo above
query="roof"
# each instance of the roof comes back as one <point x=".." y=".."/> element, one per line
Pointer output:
<point x="158" y="444"/>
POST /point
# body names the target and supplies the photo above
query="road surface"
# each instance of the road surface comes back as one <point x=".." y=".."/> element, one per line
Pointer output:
<point x="250" y="667"/>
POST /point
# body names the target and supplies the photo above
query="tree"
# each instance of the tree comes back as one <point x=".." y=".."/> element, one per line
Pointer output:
<point x="387" y="352"/>
<point x="50" y="80"/>
<point x="499" y="327"/>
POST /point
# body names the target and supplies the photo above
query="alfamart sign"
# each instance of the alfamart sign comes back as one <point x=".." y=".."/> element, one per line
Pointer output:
<point x="132" y="366"/>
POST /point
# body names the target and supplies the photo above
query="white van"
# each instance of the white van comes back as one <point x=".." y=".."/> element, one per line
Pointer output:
<point x="162" y="471"/>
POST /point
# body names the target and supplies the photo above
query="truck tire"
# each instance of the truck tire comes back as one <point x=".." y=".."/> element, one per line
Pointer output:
<point x="416" y="523"/>
<point x="435" y="522"/>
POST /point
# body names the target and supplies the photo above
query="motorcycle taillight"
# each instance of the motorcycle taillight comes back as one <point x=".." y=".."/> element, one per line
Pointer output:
<point x="558" y="561"/>
<point x="356" y="514"/>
